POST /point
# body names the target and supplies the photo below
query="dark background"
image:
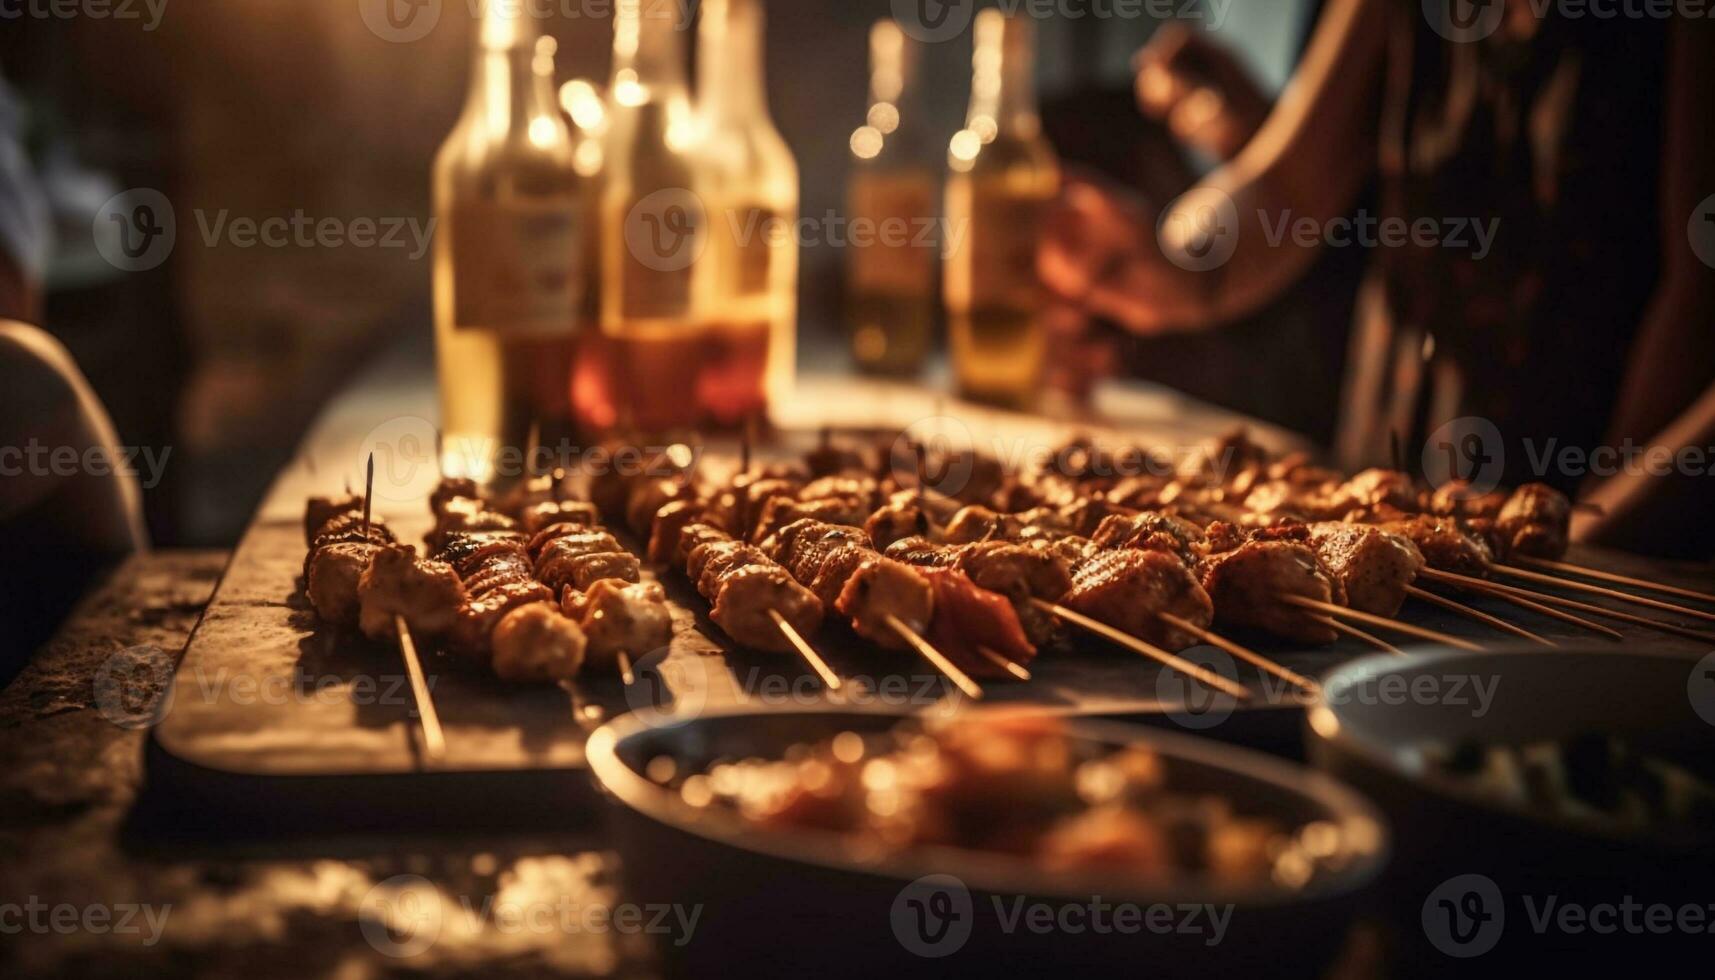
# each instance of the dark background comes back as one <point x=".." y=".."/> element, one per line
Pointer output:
<point x="264" y="107"/>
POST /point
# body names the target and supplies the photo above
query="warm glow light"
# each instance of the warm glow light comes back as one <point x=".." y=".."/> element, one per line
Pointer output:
<point x="627" y="91"/>
<point x="984" y="128"/>
<point x="884" y="116"/>
<point x="964" y="148"/>
<point x="543" y="131"/>
<point x="866" y="142"/>
<point x="582" y="101"/>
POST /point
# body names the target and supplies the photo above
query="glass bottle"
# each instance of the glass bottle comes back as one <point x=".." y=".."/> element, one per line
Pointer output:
<point x="1003" y="176"/>
<point x="891" y="276"/>
<point x="656" y="278"/>
<point x="510" y="209"/>
<point x="754" y="200"/>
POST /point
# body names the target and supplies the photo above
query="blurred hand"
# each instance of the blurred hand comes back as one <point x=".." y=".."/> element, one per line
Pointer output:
<point x="1199" y="90"/>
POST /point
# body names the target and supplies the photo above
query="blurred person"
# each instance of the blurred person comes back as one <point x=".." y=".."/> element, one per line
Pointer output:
<point x="69" y="506"/>
<point x="1579" y="322"/>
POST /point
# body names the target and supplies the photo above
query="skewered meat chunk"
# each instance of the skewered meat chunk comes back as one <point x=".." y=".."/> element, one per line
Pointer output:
<point x="670" y="522"/>
<point x="465" y="551"/>
<point x="739" y="506"/>
<point x="1127" y="589"/>
<point x="427" y="594"/>
<point x="551" y="512"/>
<point x="1444" y="544"/>
<point x="536" y="643"/>
<point x="710" y="562"/>
<point x="497" y="569"/>
<point x="569" y="540"/>
<point x="968" y="619"/>
<point x="1020" y="574"/>
<point x="647" y="498"/>
<point x="836" y="569"/>
<point x="1535" y="522"/>
<point x="803" y="545"/>
<point x="1151" y="531"/>
<point x="900" y="518"/>
<point x="321" y="510"/>
<point x="480" y="614"/>
<point x="780" y="511"/>
<point x="580" y="571"/>
<point x="332" y="584"/>
<point x="978" y="523"/>
<point x="881" y="587"/>
<point x="620" y="618"/>
<point x="465" y="515"/>
<point x="863" y="490"/>
<point x="745" y="595"/>
<point x="693" y="537"/>
<point x="346" y="529"/>
<point x="1457" y="498"/>
<point x="448" y="490"/>
<point x="922" y="553"/>
<point x="1373" y="566"/>
<point x="1247" y="583"/>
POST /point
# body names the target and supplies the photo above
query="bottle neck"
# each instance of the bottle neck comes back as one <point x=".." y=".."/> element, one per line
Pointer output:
<point x="730" y="77"/>
<point x="1003" y="81"/>
<point x="506" y="89"/>
<point x="648" y="55"/>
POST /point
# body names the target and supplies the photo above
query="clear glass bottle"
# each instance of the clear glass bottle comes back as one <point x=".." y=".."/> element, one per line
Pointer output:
<point x="510" y="212"/>
<point x="892" y="198"/>
<point x="754" y="230"/>
<point x="1003" y="177"/>
<point x="656" y="279"/>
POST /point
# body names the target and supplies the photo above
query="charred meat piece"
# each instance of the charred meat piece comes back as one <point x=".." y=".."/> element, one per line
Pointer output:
<point x="709" y="562"/>
<point x="693" y="537"/>
<point x="450" y="489"/>
<point x="744" y="596"/>
<point x="1150" y="531"/>
<point x="537" y="644"/>
<point x="498" y="569"/>
<point x="861" y="489"/>
<point x="977" y="523"/>
<point x="347" y="529"/>
<point x="477" y="618"/>
<point x="1020" y="573"/>
<point x="670" y="522"/>
<point x="896" y="520"/>
<point x="1128" y="589"/>
<point x="427" y="594"/>
<point x="332" y="585"/>
<point x="321" y="510"/>
<point x="1247" y="583"/>
<point x="780" y="511"/>
<point x="923" y="553"/>
<point x="551" y="512"/>
<point x="1444" y="544"/>
<point x="879" y="588"/>
<point x="466" y="514"/>
<point x="648" y="497"/>
<point x="1535" y="522"/>
<point x="1371" y="565"/>
<point x="580" y="571"/>
<point x="568" y="541"/>
<point x="620" y="618"/>
<point x="465" y="551"/>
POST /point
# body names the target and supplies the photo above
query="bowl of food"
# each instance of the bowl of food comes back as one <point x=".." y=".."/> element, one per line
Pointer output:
<point x="1522" y="784"/>
<point x="855" y="842"/>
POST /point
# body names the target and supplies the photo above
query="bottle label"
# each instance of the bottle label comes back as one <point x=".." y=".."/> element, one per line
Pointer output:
<point x="517" y="267"/>
<point x="896" y="249"/>
<point x="1003" y="236"/>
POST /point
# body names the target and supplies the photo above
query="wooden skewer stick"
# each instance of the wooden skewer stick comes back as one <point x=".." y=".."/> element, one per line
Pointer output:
<point x="1544" y="565"/>
<point x="1592" y="609"/>
<point x="1477" y="614"/>
<point x="1015" y="669"/>
<point x="1602" y="590"/>
<point x="434" y="739"/>
<point x="368" y="494"/>
<point x="1518" y="597"/>
<point x="1339" y="612"/>
<point x="1251" y="657"/>
<point x="959" y="678"/>
<point x="1348" y="629"/>
<point x="1149" y="650"/>
<point x="805" y="650"/>
<point x="626" y="675"/>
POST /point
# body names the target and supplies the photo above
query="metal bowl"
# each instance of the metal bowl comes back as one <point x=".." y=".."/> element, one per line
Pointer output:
<point x="1462" y="849"/>
<point x="806" y="901"/>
